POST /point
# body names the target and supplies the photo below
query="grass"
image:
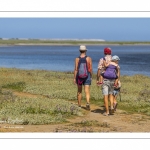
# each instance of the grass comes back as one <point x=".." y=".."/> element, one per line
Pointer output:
<point x="85" y="126"/>
<point x="56" y="96"/>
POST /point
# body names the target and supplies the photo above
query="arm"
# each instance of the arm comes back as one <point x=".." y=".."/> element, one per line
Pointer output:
<point x="105" y="64"/>
<point x="98" y="75"/>
<point x="90" y="66"/>
<point x="118" y="72"/>
<point x="75" y="69"/>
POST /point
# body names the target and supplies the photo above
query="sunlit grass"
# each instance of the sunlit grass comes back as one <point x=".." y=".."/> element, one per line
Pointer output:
<point x="59" y="95"/>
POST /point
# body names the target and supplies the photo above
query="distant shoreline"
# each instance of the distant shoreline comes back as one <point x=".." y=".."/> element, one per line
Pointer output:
<point x="67" y="44"/>
<point x="15" y="42"/>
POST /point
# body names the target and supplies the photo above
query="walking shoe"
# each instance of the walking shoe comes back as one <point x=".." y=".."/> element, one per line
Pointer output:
<point x="88" y="106"/>
<point x="111" y="111"/>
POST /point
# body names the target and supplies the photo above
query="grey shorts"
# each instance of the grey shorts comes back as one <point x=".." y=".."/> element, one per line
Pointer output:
<point x="108" y="86"/>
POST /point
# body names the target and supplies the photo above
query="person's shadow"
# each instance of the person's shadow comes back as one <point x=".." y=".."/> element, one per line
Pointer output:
<point x="101" y="111"/>
<point x="95" y="110"/>
<point x="98" y="110"/>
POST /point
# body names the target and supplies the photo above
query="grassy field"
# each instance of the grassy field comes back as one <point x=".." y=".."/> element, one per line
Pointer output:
<point x="45" y="97"/>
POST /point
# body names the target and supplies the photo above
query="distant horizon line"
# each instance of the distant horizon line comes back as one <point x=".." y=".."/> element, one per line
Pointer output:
<point x="45" y="39"/>
<point x="71" y="39"/>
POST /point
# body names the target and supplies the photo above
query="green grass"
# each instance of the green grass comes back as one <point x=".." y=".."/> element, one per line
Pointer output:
<point x="19" y="86"/>
<point x="56" y="96"/>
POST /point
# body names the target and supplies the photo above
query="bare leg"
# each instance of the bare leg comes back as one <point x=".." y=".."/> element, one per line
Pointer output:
<point x="87" y="93"/>
<point x="106" y="103"/>
<point x="115" y="102"/>
<point x="115" y="99"/>
<point x="79" y="95"/>
<point x="111" y="100"/>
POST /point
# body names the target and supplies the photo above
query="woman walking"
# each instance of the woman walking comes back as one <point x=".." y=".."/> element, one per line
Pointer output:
<point x="83" y="75"/>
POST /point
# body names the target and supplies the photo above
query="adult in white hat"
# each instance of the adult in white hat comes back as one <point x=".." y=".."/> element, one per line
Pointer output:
<point x="80" y="80"/>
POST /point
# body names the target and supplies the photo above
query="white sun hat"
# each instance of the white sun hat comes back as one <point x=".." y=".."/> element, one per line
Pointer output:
<point x="83" y="48"/>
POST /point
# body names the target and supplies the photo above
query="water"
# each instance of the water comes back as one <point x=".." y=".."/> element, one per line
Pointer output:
<point x="134" y="59"/>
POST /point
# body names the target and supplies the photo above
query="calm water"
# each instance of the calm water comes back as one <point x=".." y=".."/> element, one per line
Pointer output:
<point x="134" y="59"/>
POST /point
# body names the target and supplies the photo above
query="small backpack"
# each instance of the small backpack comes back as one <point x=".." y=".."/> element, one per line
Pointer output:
<point x="110" y="72"/>
<point x="82" y="68"/>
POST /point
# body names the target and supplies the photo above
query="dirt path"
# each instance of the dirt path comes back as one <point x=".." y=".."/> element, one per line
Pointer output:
<point x="92" y="121"/>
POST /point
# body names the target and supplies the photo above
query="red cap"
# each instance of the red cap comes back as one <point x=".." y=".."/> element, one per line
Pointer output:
<point x="107" y="51"/>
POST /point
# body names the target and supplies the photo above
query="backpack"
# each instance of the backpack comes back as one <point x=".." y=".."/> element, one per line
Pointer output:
<point x="110" y="72"/>
<point x="82" y="68"/>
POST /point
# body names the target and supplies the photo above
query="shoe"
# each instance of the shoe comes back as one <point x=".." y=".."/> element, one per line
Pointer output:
<point x="106" y="114"/>
<point x="88" y="106"/>
<point x="115" y="106"/>
<point x="111" y="111"/>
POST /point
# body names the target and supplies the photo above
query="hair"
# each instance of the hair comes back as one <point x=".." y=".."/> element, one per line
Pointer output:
<point x="107" y="51"/>
<point x="83" y="51"/>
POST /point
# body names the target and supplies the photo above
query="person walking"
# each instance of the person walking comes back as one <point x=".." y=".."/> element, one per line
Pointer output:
<point x="109" y="77"/>
<point x="106" y="81"/>
<point x="116" y="92"/>
<point x="101" y="65"/>
<point x="83" y="75"/>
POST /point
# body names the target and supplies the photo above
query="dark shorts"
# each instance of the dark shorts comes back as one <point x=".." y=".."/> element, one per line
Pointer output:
<point x="116" y="91"/>
<point x="86" y="81"/>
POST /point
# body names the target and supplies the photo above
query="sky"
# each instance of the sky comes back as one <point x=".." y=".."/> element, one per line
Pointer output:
<point x="108" y="29"/>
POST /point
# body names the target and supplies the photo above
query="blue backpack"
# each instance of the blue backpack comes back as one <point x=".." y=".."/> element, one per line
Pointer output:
<point x="111" y="72"/>
<point x="82" y="68"/>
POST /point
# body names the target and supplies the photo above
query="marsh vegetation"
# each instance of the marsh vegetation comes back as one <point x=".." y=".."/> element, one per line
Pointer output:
<point x="48" y="97"/>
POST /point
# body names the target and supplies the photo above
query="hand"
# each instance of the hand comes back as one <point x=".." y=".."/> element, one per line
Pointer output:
<point x="74" y="80"/>
<point x="99" y="83"/>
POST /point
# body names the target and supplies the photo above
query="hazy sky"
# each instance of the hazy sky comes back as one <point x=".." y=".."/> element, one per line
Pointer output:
<point x="109" y="29"/>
